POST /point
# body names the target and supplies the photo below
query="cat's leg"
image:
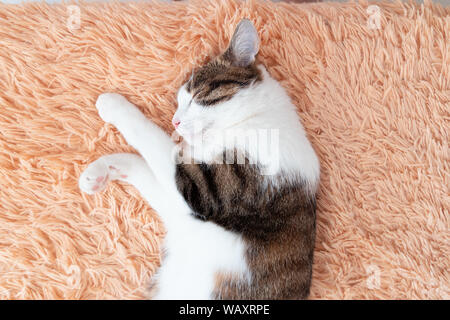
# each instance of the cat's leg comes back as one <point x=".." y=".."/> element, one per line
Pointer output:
<point x="132" y="169"/>
<point x="147" y="138"/>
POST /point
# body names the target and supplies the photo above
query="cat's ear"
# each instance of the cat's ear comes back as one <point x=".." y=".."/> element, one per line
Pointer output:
<point x="244" y="44"/>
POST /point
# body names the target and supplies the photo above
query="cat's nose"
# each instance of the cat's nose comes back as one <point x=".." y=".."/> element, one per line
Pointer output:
<point x="176" y="123"/>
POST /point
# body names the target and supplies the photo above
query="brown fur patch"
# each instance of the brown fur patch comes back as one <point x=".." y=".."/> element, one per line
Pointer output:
<point x="219" y="80"/>
<point x="277" y="224"/>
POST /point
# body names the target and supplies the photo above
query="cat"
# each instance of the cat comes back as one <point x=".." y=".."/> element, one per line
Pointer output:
<point x="235" y="230"/>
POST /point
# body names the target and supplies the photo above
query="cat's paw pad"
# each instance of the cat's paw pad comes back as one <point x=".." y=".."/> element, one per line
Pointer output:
<point x="116" y="173"/>
<point x="109" y="106"/>
<point x="94" y="178"/>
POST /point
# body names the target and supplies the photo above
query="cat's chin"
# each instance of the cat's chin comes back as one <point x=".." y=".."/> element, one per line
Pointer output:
<point x="193" y="139"/>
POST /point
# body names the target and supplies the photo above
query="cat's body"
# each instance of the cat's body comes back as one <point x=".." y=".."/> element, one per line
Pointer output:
<point x="235" y="230"/>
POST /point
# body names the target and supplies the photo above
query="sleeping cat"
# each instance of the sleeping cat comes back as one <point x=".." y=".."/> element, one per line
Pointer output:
<point x="235" y="229"/>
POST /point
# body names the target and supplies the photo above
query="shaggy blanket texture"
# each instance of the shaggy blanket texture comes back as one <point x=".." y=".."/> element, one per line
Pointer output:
<point x="374" y="102"/>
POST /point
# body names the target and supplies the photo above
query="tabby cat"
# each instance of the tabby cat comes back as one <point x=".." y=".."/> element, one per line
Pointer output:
<point x="240" y="216"/>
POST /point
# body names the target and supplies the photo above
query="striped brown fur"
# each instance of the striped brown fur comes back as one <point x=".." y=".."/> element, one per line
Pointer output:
<point x="277" y="224"/>
<point x="220" y="79"/>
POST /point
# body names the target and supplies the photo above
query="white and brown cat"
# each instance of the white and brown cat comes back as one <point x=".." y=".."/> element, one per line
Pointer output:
<point x="233" y="230"/>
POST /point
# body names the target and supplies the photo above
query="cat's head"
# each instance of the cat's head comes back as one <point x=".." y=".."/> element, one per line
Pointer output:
<point x="203" y="101"/>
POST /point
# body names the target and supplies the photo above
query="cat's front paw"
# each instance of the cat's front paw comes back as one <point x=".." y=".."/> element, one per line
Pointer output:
<point x="98" y="173"/>
<point x="111" y="106"/>
<point x="94" y="178"/>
